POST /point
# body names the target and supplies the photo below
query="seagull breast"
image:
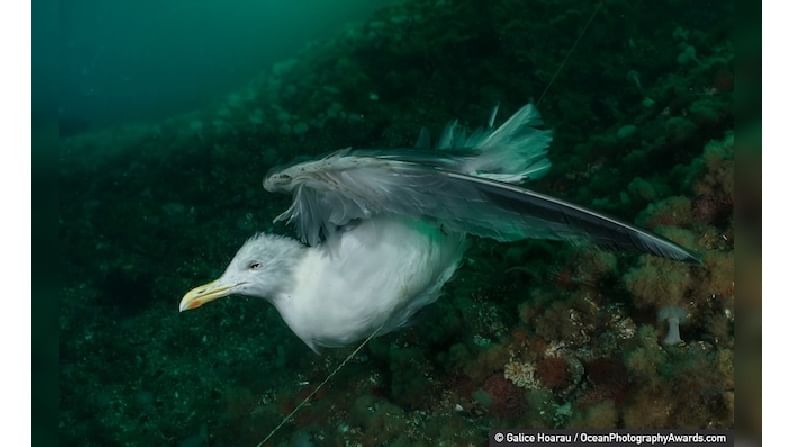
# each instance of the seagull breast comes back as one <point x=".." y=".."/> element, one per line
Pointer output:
<point x="374" y="278"/>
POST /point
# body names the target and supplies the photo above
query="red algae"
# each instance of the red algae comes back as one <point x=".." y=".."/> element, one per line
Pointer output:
<point x="553" y="372"/>
<point x="507" y="399"/>
<point x="609" y="374"/>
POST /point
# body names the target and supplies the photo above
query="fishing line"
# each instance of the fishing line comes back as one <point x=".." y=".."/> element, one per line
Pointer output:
<point x="371" y="336"/>
<point x="568" y="54"/>
<point x="317" y="388"/>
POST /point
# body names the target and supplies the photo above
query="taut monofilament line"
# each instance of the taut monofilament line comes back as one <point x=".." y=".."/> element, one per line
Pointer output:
<point x="569" y="53"/>
<point x="342" y="364"/>
<point x="317" y="388"/>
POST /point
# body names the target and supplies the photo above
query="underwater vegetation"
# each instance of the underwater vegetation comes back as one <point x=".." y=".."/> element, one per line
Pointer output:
<point x="528" y="334"/>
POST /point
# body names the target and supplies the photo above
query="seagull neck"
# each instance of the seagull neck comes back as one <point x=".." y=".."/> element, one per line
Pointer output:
<point x="292" y="260"/>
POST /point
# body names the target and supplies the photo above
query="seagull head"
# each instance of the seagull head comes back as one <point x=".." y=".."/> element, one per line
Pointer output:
<point x="263" y="267"/>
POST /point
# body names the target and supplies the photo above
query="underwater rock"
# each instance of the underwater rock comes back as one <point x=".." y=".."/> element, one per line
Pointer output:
<point x="378" y="418"/>
<point x="300" y="128"/>
<point x="487" y="361"/>
<point x="601" y="415"/>
<point x="129" y="290"/>
<point x="707" y="209"/>
<point x="687" y="55"/>
<point x="717" y="279"/>
<point x="649" y="409"/>
<point x="201" y="439"/>
<point x="608" y="376"/>
<point x="553" y="372"/>
<point x="521" y="374"/>
<point x="505" y="398"/>
<point x="671" y="211"/>
<point x="644" y="359"/>
<point x="642" y="189"/>
<point x="715" y="185"/>
<point x="626" y="131"/>
<point x="657" y="282"/>
<point x="680" y="129"/>
<point x="409" y="385"/>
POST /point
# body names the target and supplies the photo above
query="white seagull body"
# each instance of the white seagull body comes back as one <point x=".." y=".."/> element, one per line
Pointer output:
<point x="385" y="230"/>
<point x="342" y="296"/>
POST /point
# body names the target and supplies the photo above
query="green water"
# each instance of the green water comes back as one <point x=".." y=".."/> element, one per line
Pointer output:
<point x="171" y="114"/>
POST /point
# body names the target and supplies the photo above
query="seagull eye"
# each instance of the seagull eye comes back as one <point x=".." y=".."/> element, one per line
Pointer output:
<point x="254" y="265"/>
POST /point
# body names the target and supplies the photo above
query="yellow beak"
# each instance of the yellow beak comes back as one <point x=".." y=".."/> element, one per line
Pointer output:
<point x="203" y="294"/>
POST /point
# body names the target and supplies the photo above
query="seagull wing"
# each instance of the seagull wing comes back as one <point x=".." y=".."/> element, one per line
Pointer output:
<point x="348" y="186"/>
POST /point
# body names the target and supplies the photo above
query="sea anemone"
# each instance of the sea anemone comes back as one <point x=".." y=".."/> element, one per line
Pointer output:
<point x="675" y="316"/>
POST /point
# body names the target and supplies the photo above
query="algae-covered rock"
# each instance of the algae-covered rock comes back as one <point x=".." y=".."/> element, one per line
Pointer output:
<point x="378" y="418"/>
<point x="657" y="282"/>
<point x="410" y="385"/>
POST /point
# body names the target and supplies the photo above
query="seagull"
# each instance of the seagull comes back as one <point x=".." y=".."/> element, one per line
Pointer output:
<point x="381" y="231"/>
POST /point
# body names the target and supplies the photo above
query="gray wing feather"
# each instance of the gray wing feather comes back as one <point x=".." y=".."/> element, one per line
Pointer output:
<point x="346" y="187"/>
